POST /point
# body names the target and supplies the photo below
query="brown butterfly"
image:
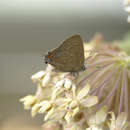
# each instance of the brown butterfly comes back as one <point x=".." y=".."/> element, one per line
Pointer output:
<point x="69" y="56"/>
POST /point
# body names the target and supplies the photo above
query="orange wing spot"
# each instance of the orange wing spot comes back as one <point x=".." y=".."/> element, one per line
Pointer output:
<point x="51" y="55"/>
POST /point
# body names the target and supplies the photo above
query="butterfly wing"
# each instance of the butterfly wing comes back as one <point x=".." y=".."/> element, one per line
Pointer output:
<point x="69" y="56"/>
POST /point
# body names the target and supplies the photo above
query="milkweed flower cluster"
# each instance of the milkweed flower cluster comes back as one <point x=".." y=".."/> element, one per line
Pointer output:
<point x="96" y="99"/>
<point x="111" y="84"/>
<point x="58" y="98"/>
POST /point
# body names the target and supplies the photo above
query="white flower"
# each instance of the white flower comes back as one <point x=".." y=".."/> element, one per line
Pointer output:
<point x="85" y="99"/>
<point x="35" y="109"/>
<point x="81" y="100"/>
<point x="46" y="79"/>
<point x="95" y="121"/>
<point x="119" y="123"/>
<point x="28" y="101"/>
<point x="49" y="114"/>
<point x="38" y="76"/>
<point x="68" y="83"/>
<point x="44" y="106"/>
<point x="61" y="86"/>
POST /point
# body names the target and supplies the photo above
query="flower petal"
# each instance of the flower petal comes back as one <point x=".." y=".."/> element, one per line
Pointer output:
<point x="68" y="117"/>
<point x="46" y="79"/>
<point x="113" y="121"/>
<point x="38" y="76"/>
<point x="91" y="120"/>
<point x="121" y="120"/>
<point x="73" y="104"/>
<point x="101" y="115"/>
<point x="45" y="105"/>
<point x="28" y="101"/>
<point x="74" y="90"/>
<point x="67" y="84"/>
<point x="83" y="92"/>
<point x="127" y="126"/>
<point x="56" y="92"/>
<point x="49" y="114"/>
<point x="59" y="83"/>
<point x="35" y="109"/>
<point x="89" y="101"/>
<point x="75" y="111"/>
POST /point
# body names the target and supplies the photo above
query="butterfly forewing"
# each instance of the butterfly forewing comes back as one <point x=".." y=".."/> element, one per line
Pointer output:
<point x="69" y="56"/>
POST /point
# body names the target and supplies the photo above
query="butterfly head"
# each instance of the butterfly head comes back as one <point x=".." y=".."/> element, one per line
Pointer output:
<point x="48" y="57"/>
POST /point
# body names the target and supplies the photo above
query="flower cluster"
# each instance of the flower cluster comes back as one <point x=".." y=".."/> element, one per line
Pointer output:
<point x="96" y="99"/>
<point x="111" y="81"/>
<point x="58" y="97"/>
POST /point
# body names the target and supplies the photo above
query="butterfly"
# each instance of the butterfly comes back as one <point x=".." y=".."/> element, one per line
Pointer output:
<point x="69" y="56"/>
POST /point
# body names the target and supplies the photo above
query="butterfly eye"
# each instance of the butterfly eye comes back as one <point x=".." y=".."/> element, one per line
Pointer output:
<point x="49" y="52"/>
<point x="46" y="59"/>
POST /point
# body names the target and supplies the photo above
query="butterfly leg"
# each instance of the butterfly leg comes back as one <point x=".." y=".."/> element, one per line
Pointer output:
<point x="83" y="68"/>
<point x="74" y="74"/>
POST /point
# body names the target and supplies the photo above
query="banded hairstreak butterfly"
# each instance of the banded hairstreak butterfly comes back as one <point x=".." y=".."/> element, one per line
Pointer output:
<point x="69" y="56"/>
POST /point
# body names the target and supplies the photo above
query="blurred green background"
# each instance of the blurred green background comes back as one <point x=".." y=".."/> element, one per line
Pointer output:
<point x="28" y="28"/>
